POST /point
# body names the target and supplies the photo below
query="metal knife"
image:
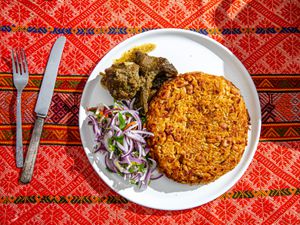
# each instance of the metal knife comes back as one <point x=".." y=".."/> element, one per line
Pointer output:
<point x="42" y="107"/>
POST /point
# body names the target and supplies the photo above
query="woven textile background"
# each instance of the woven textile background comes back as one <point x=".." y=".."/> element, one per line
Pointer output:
<point x="264" y="35"/>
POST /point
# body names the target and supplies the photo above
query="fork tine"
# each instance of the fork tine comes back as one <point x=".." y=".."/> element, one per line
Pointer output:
<point x="18" y="64"/>
<point x="13" y="61"/>
<point x="21" y="62"/>
<point x="25" y="62"/>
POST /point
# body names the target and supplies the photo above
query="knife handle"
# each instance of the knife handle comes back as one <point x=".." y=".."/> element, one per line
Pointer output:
<point x="32" y="151"/>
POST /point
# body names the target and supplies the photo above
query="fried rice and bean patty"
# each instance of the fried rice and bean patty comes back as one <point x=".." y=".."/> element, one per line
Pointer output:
<point x="200" y="124"/>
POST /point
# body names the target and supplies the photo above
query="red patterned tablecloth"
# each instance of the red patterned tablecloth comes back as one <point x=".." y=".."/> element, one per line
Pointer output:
<point x="264" y="35"/>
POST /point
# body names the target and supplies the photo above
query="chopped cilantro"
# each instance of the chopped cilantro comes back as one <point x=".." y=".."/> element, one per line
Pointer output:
<point x="141" y="168"/>
<point x="131" y="169"/>
<point x="122" y="121"/>
<point x="120" y="139"/>
<point x="117" y="151"/>
<point x="110" y="145"/>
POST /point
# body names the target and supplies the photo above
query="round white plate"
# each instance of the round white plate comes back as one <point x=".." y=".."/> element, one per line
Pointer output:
<point x="187" y="51"/>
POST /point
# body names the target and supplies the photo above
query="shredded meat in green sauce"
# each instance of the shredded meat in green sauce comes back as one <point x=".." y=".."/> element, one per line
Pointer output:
<point x="139" y="79"/>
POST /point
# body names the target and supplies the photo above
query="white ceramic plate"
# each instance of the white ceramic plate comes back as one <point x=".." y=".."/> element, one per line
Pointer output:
<point x="187" y="51"/>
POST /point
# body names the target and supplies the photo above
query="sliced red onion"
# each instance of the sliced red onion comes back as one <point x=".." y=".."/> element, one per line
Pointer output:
<point x="100" y="147"/>
<point x="111" y="154"/>
<point x="113" y="121"/>
<point x="156" y="177"/>
<point x="154" y="165"/>
<point x="146" y="179"/>
<point x="147" y="150"/>
<point x="126" y="160"/>
<point x="127" y="102"/>
<point x="107" y="136"/>
<point x="109" y="164"/>
<point x="115" y="128"/>
<point x="135" y="137"/>
<point x="122" y="147"/>
<point x="119" y="167"/>
<point x="119" y="133"/>
<point x="133" y="148"/>
<point x="136" y="178"/>
<point x="131" y="104"/>
<point x="130" y="143"/>
<point x="98" y="138"/>
<point x="145" y="174"/>
<point x="128" y="120"/>
<point x="142" y="132"/>
<point x="128" y="153"/>
<point x="140" y="149"/>
<point x="96" y="128"/>
<point x="104" y="122"/>
<point x="135" y="115"/>
<point x="132" y="126"/>
<point x="130" y="147"/>
<point x="125" y="144"/>
<point x="107" y="107"/>
<point x="139" y="161"/>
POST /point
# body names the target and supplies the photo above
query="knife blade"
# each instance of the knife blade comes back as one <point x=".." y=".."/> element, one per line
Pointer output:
<point x="47" y="88"/>
<point x="42" y="107"/>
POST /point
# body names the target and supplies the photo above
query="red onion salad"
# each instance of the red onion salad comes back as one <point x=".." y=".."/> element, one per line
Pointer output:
<point x="120" y="136"/>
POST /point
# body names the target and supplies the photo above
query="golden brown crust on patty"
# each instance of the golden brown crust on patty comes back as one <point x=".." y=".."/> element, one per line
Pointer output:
<point x="200" y="125"/>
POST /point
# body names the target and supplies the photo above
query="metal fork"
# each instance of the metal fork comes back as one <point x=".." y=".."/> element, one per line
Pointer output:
<point x="20" y="76"/>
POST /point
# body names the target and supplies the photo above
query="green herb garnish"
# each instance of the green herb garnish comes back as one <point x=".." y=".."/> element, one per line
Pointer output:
<point x="122" y="121"/>
<point x="120" y="139"/>
<point x="110" y="145"/>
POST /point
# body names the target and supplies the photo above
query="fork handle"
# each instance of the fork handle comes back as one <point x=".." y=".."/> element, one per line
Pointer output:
<point x="19" y="138"/>
<point x="32" y="151"/>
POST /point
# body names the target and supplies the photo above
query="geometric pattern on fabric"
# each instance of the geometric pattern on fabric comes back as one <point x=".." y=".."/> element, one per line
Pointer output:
<point x="65" y="189"/>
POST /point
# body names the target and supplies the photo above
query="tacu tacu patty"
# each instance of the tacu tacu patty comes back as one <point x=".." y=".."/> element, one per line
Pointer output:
<point x="200" y="125"/>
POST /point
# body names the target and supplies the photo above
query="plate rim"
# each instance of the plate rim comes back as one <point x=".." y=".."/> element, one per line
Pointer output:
<point x="249" y="81"/>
